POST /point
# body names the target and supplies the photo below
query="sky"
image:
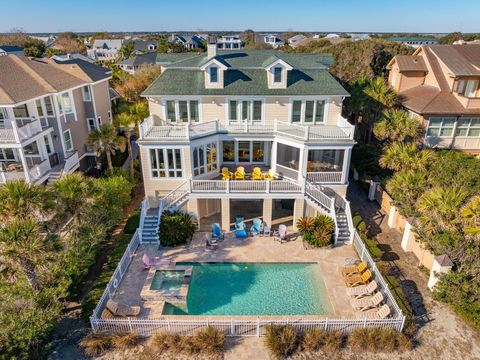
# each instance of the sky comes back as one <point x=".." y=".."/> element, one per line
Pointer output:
<point x="437" y="16"/>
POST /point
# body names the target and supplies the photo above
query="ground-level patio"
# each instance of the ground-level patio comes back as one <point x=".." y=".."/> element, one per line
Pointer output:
<point x="251" y="249"/>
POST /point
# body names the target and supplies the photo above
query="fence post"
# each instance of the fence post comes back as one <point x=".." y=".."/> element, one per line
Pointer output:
<point x="258" y="327"/>
<point x="232" y="327"/>
<point x="326" y="324"/>
<point x="130" y="324"/>
<point x="403" y="323"/>
<point x="168" y="324"/>
<point x="365" y="322"/>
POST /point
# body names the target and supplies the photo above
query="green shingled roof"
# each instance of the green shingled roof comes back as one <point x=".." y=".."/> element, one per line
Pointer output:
<point x="174" y="57"/>
<point x="246" y="75"/>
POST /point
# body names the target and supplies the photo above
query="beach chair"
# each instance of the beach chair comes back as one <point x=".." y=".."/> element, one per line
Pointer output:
<point x="358" y="279"/>
<point x="240" y="173"/>
<point x="382" y="313"/>
<point x="217" y="232"/>
<point x="362" y="290"/>
<point x="257" y="174"/>
<point x="269" y="175"/>
<point x="256" y="228"/>
<point x="368" y="303"/>
<point x="149" y="262"/>
<point x="354" y="269"/>
<point x="280" y="234"/>
<point x="240" y="230"/>
<point x="226" y="174"/>
<point x="121" y="309"/>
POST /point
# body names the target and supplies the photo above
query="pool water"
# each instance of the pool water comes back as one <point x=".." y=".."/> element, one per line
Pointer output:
<point x="254" y="289"/>
<point x="169" y="280"/>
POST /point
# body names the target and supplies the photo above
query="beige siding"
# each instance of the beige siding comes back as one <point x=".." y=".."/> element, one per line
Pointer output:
<point x="213" y="108"/>
<point x="78" y="128"/>
<point x="101" y="96"/>
<point x="334" y="109"/>
<point x="156" y="110"/>
<point x="274" y="111"/>
<point x="410" y="79"/>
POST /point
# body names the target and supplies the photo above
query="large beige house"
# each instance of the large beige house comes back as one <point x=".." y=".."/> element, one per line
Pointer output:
<point x="47" y="109"/>
<point x="440" y="84"/>
<point x="253" y="109"/>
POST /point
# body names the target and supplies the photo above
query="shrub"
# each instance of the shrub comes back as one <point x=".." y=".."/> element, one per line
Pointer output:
<point x="281" y="340"/>
<point x="305" y="225"/>
<point x="160" y="342"/>
<point x="315" y="340"/>
<point x="176" y="228"/>
<point x="209" y="341"/>
<point x="317" y="231"/>
<point x="96" y="344"/>
<point x="124" y="341"/>
<point x="378" y="340"/>
<point x="132" y="223"/>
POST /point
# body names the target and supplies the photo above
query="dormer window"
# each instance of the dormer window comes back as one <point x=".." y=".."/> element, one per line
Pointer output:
<point x="213" y="74"/>
<point x="277" y="74"/>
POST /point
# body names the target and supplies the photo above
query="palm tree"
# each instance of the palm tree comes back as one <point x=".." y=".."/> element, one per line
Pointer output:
<point x="72" y="191"/>
<point x="356" y="103"/>
<point x="107" y="141"/>
<point x="20" y="199"/>
<point x="398" y="126"/>
<point x="470" y="216"/>
<point x="406" y="187"/>
<point x="22" y="244"/>
<point x="400" y="156"/>
<point x="129" y="119"/>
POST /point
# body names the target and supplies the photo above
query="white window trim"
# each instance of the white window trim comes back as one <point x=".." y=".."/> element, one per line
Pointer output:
<point x="15" y="157"/>
<point x="90" y="128"/>
<point x="209" y="77"/>
<point x="89" y="99"/>
<point x="441" y="127"/>
<point x="99" y="122"/>
<point x="475" y="91"/>
<point x="468" y="128"/>
<point x="281" y="74"/>
<point x="302" y="110"/>
<point x="177" y="110"/>
<point x="236" y="151"/>
<point x="167" y="169"/>
<point x="205" y="164"/>
<point x="71" y="140"/>
<point x="239" y="101"/>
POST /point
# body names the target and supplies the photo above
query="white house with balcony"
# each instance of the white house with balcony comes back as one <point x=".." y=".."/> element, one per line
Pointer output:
<point x="265" y="111"/>
<point x="229" y="42"/>
<point x="47" y="109"/>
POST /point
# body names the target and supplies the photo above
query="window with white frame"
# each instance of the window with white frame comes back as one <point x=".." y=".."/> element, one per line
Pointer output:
<point x="468" y="127"/>
<point x="21" y="111"/>
<point x="99" y="121"/>
<point x="438" y="126"/>
<point x="244" y="151"/>
<point x="471" y="87"/>
<point x="213" y="72"/>
<point x="7" y="154"/>
<point x="308" y="111"/>
<point x="49" y="106"/>
<point x="165" y="163"/>
<point x="182" y="111"/>
<point x="240" y="110"/>
<point x="91" y="125"/>
<point x="87" y="95"/>
<point x="204" y="158"/>
<point x="38" y="105"/>
<point x="3" y="117"/>
<point x="64" y="102"/>
<point x="67" y="138"/>
<point x="109" y="114"/>
<point x="277" y="74"/>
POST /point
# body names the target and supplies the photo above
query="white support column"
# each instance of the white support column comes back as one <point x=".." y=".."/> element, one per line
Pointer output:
<point x="298" y="211"/>
<point x="267" y="211"/>
<point x="372" y="189"/>
<point x="226" y="214"/>
<point x="391" y="217"/>
<point x="346" y="165"/>
<point x="193" y="208"/>
<point x="407" y="236"/>
<point x="273" y="155"/>
<point x="24" y="164"/>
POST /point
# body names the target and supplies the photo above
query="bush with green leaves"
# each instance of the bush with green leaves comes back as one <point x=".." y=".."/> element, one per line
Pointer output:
<point x="314" y="340"/>
<point x="176" y="228"/>
<point x="378" y="340"/>
<point x="281" y="340"/>
<point x="317" y="231"/>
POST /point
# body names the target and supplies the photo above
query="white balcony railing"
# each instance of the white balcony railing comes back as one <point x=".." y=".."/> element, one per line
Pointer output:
<point x="173" y="132"/>
<point x="71" y="162"/>
<point x="29" y="129"/>
<point x="244" y="186"/>
<point x="37" y="171"/>
<point x="330" y="177"/>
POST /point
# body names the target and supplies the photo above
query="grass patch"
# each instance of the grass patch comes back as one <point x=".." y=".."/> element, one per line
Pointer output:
<point x="314" y="340"/>
<point x="281" y="340"/>
<point x="96" y="292"/>
<point x="378" y="340"/>
<point x="132" y="223"/>
<point x="373" y="248"/>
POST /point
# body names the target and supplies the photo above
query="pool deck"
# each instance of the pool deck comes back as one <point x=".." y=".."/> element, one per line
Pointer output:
<point x="252" y="249"/>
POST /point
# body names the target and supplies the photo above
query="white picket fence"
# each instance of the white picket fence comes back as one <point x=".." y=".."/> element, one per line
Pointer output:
<point x="188" y="325"/>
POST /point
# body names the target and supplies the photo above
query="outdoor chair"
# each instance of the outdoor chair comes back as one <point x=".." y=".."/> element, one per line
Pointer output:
<point x="368" y="303"/>
<point x="107" y="315"/>
<point x="257" y="174"/>
<point x="240" y="173"/>
<point x="256" y="227"/>
<point x="217" y="232"/>
<point x="149" y="262"/>
<point x="266" y="229"/>
<point x="280" y="234"/>
<point x="240" y="230"/>
<point x="362" y="290"/>
<point x="121" y="309"/>
<point x="358" y="279"/>
<point x="269" y="175"/>
<point x="226" y="174"/>
<point x="354" y="269"/>
<point x="210" y="246"/>
<point x="382" y="313"/>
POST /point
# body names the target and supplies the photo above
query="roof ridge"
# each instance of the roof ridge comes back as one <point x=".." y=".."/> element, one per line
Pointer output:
<point x="437" y="73"/>
<point x="62" y="67"/>
<point x="32" y="73"/>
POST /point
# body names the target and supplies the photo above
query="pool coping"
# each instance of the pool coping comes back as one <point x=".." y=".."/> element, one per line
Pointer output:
<point x="174" y="297"/>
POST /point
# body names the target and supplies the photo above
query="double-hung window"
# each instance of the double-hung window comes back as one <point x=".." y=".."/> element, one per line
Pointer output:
<point x="64" y="102"/>
<point x="165" y="163"/>
<point x="3" y="117"/>
<point x="308" y="111"/>
<point x="471" y="87"/>
<point x="49" y="106"/>
<point x="204" y="158"/>
<point x="182" y="111"/>
<point x="213" y="70"/>
<point x="21" y="111"/>
<point x="87" y="96"/>
<point x="241" y="110"/>
<point x="91" y="124"/>
<point x="468" y="127"/>
<point x="67" y="138"/>
<point x="277" y="74"/>
<point x="442" y="127"/>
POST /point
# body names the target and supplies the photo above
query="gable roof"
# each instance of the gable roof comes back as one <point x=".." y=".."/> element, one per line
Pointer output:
<point x="462" y="60"/>
<point x="409" y="63"/>
<point x="142" y="45"/>
<point x="108" y="43"/>
<point x="22" y="78"/>
<point x="149" y="58"/>
<point x="10" y="48"/>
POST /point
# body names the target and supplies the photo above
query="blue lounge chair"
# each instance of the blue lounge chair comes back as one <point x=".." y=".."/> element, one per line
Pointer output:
<point x="217" y="233"/>
<point x="240" y="230"/>
<point x="256" y="227"/>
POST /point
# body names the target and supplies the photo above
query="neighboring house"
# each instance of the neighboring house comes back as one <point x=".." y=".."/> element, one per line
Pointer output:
<point x="188" y="42"/>
<point x="259" y="108"/>
<point x="10" y="49"/>
<point x="229" y="42"/>
<point x="414" y="42"/>
<point x="105" y="50"/>
<point x="48" y="40"/>
<point x="47" y="109"/>
<point x="440" y="84"/>
<point x="273" y="40"/>
<point x="294" y="40"/>
<point x="143" y="46"/>
<point x="73" y="56"/>
<point x="132" y="64"/>
<point x="358" y="37"/>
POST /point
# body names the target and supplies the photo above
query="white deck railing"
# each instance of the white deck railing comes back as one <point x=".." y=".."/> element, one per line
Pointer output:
<point x="29" y="129"/>
<point x="175" y="132"/>
<point x="329" y="177"/>
<point x="37" y="171"/>
<point x="71" y="162"/>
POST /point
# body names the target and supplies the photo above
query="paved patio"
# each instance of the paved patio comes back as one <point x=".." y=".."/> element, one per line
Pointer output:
<point x="252" y="249"/>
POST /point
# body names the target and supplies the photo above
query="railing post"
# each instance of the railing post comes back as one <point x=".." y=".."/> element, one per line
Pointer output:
<point x="130" y="324"/>
<point x="190" y="185"/>
<point x="232" y="327"/>
<point x="267" y="186"/>
<point x="326" y="324"/>
<point x="187" y="131"/>
<point x="227" y="188"/>
<point x="258" y="327"/>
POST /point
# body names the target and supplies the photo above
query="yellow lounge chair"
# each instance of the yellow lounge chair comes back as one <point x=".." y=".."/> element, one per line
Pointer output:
<point x="358" y="279"/>
<point x="257" y="174"/>
<point x="354" y="269"/>
<point x="270" y="175"/>
<point x="226" y="174"/>
<point x="240" y="173"/>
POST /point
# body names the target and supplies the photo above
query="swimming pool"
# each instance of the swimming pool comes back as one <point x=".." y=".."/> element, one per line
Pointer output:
<point x="254" y="289"/>
<point x="168" y="280"/>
